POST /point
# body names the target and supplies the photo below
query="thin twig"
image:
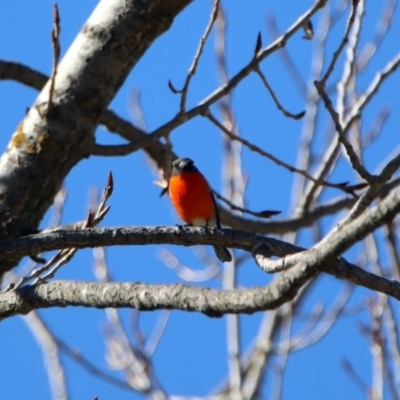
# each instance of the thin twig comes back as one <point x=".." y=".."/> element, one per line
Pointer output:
<point x="157" y="333"/>
<point x="372" y="90"/>
<point x="305" y="339"/>
<point x="188" y="274"/>
<point x="354" y="377"/>
<point x="258" y="214"/>
<point x="65" y="255"/>
<point x="355" y="161"/>
<point x="302" y="197"/>
<point x="282" y="357"/>
<point x="121" y="353"/>
<point x="275" y="98"/>
<point x="137" y="109"/>
<point x="234" y="186"/>
<point x="55" y="40"/>
<point x="51" y="356"/>
<point x="90" y="367"/>
<point x="223" y="90"/>
<point x="349" y="67"/>
<point x="285" y="56"/>
<point x="384" y="23"/>
<point x="342" y="186"/>
<point x="196" y="59"/>
<point x="342" y="45"/>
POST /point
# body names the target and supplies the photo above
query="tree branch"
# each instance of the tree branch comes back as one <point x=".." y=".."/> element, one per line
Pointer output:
<point x="88" y="77"/>
<point x="144" y="297"/>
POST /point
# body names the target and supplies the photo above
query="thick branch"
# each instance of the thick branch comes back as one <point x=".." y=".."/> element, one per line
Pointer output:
<point x="88" y="78"/>
<point x="187" y="236"/>
<point x="211" y="302"/>
<point x="97" y="237"/>
<point x="322" y="257"/>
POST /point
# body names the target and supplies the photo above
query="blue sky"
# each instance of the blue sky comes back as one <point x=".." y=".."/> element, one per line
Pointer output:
<point x="191" y="357"/>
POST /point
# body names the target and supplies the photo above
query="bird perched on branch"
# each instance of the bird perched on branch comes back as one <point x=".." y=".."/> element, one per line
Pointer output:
<point x="193" y="200"/>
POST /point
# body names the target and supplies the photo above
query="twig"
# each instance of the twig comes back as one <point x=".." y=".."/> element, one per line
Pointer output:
<point x="58" y="207"/>
<point x="185" y="273"/>
<point x="111" y="121"/>
<point x="377" y="353"/>
<point x="157" y="333"/>
<point x="196" y="59"/>
<point x="233" y="181"/>
<point x="122" y="355"/>
<point x="342" y="186"/>
<point x="131" y="132"/>
<point x="285" y="56"/>
<point x="384" y="23"/>
<point x="392" y="334"/>
<point x="65" y="255"/>
<point x="90" y="367"/>
<point x="371" y="193"/>
<point x="277" y="103"/>
<point x="342" y="45"/>
<point x="377" y="126"/>
<point x="256" y="363"/>
<point x="137" y="110"/>
<point x="259" y="214"/>
<point x="306" y="339"/>
<point x="353" y="376"/>
<point x="55" y="40"/>
<point x="355" y="162"/>
<point x="349" y="65"/>
<point x="49" y="346"/>
<point x="222" y="91"/>
<point x="282" y="357"/>
<point x="283" y="226"/>
<point x="305" y="156"/>
<point x="117" y="150"/>
<point x="393" y="248"/>
<point x="372" y="90"/>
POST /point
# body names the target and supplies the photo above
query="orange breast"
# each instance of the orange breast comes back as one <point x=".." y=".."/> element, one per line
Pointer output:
<point x="191" y="197"/>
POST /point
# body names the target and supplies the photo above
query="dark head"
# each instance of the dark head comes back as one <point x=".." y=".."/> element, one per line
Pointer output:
<point x="183" y="165"/>
<point x="178" y="166"/>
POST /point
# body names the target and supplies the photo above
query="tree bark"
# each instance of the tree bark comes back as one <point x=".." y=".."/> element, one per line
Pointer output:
<point x="52" y="139"/>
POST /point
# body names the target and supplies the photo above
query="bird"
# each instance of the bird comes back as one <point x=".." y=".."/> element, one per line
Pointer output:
<point x="193" y="199"/>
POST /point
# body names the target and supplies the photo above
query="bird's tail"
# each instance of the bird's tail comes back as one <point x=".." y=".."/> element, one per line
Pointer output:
<point x="223" y="253"/>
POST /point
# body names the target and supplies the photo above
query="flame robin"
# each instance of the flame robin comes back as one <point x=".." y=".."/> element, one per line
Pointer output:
<point x="193" y="200"/>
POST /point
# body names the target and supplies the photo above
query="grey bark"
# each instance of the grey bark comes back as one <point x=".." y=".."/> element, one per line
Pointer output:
<point x="211" y="302"/>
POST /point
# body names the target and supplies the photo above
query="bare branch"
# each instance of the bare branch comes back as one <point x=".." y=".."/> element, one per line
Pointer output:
<point x="342" y="186"/>
<point x="342" y="45"/>
<point x="51" y="356"/>
<point x="321" y="256"/>
<point x="226" y="88"/>
<point x="196" y="59"/>
<point x="90" y="367"/>
<point x="117" y="150"/>
<point x="284" y="55"/>
<point x="65" y="255"/>
<point x="76" y="110"/>
<point x="372" y="90"/>
<point x="274" y="97"/>
<point x="55" y="40"/>
<point x="383" y="25"/>
<point x="211" y="302"/>
<point x="355" y="161"/>
<point x="259" y="214"/>
<point x="10" y="70"/>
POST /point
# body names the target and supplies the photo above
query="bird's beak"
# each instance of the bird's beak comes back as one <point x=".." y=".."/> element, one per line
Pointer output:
<point x="165" y="190"/>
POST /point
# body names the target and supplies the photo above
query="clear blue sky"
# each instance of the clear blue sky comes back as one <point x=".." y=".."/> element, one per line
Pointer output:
<point x="191" y="358"/>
